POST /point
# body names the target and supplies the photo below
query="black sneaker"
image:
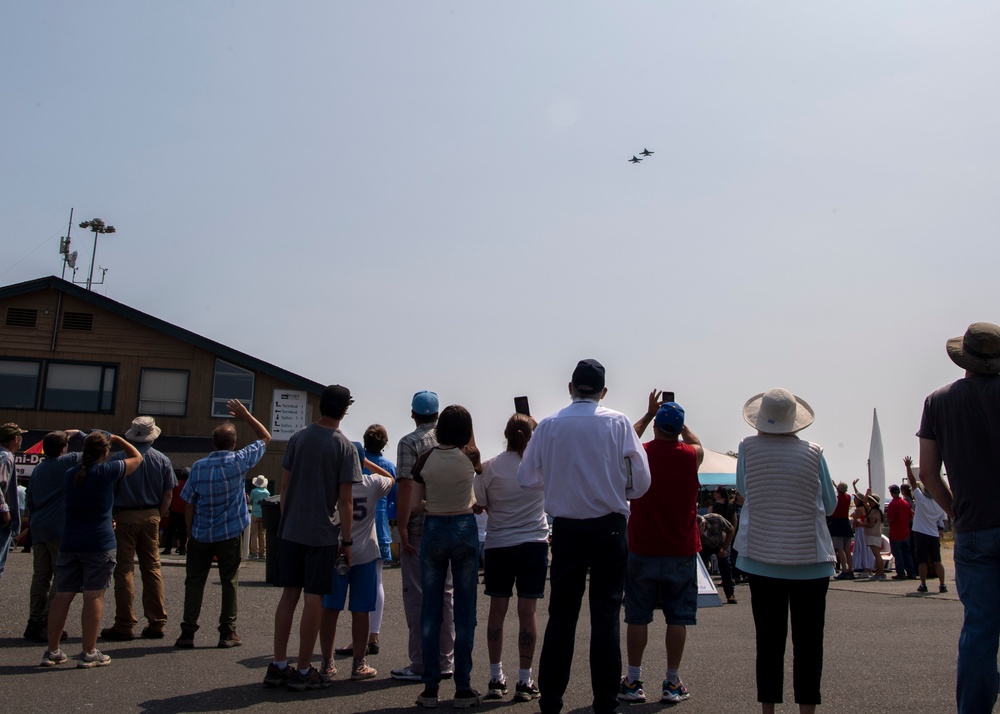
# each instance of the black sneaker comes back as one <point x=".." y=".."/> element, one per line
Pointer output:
<point x="525" y="692"/>
<point x="312" y="679"/>
<point x="496" y="690"/>
<point x="942" y="588"/>
<point x="465" y="698"/>
<point x="428" y="698"/>
<point x="275" y="676"/>
<point x="921" y="588"/>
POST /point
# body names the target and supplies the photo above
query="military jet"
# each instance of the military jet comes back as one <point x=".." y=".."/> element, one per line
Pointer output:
<point x="634" y="159"/>
<point x="647" y="152"/>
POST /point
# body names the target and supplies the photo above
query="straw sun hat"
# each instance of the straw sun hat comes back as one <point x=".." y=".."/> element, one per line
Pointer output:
<point x="777" y="411"/>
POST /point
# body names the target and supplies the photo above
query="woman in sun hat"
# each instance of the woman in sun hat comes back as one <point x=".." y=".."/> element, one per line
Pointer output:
<point x="258" y="545"/>
<point x="784" y="543"/>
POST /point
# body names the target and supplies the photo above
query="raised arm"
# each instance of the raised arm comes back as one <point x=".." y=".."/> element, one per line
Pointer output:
<point x="908" y="463"/>
<point x="651" y="407"/>
<point x="239" y="411"/>
<point x="690" y="438"/>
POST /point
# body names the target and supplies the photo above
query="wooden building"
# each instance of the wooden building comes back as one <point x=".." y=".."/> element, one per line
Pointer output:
<point x="73" y="359"/>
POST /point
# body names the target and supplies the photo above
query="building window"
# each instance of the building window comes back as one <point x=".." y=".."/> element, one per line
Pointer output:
<point x="79" y="387"/>
<point x="231" y="382"/>
<point x="21" y="317"/>
<point x="164" y="392"/>
<point x="19" y="384"/>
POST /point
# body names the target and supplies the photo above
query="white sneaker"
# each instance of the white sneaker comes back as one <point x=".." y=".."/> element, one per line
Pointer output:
<point x="406" y="674"/>
<point x="97" y="659"/>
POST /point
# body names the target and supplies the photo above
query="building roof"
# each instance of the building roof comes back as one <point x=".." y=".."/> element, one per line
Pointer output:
<point x="105" y="303"/>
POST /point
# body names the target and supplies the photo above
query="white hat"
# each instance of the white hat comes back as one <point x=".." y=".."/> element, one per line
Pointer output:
<point x="144" y="430"/>
<point x="778" y="411"/>
<point x="260" y="481"/>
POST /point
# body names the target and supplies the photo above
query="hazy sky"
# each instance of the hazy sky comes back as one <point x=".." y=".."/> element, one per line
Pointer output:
<point x="400" y="196"/>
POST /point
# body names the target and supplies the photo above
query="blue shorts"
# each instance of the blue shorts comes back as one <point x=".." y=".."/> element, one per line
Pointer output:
<point x="76" y="572"/>
<point x="363" y="583"/>
<point x="668" y="582"/>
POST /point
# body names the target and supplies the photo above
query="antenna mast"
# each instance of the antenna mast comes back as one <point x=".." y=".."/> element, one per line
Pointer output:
<point x="68" y="258"/>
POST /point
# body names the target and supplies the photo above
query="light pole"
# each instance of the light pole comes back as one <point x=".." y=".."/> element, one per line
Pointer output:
<point x="97" y="226"/>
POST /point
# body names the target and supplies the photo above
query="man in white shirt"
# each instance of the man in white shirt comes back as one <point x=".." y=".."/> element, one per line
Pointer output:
<point x="927" y="519"/>
<point x="589" y="462"/>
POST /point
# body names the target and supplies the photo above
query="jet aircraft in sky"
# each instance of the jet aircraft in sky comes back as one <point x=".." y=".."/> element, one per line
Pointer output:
<point x="647" y="152"/>
<point x="634" y="159"/>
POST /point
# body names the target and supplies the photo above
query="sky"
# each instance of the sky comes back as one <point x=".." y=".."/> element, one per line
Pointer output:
<point x="399" y="196"/>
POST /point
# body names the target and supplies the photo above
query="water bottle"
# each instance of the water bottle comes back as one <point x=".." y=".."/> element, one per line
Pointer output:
<point x="342" y="567"/>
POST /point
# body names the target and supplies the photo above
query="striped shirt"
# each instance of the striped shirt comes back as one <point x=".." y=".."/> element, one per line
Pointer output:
<point x="217" y="490"/>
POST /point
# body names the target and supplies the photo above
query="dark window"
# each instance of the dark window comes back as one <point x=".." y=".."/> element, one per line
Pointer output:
<point x="19" y="384"/>
<point x="163" y="391"/>
<point x="83" y="321"/>
<point x="79" y="387"/>
<point x="231" y="382"/>
<point x="21" y="317"/>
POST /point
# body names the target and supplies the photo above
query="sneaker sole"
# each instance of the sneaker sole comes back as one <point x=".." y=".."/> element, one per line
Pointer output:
<point x="51" y="662"/>
<point x="522" y="697"/>
<point x="427" y="703"/>
<point x="367" y="675"/>
<point x="465" y="703"/>
<point x="90" y="665"/>
<point x="406" y="677"/>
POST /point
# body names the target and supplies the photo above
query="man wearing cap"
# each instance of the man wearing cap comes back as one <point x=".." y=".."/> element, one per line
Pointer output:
<point x="216" y="515"/>
<point x="410" y="522"/>
<point x="10" y="512"/>
<point x="589" y="461"/>
<point x="663" y="541"/>
<point x="140" y="503"/>
<point x="959" y="428"/>
<point x="46" y="500"/>
<point x="318" y="471"/>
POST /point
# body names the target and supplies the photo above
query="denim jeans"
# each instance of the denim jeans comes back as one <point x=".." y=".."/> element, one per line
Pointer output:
<point x="903" y="558"/>
<point x="977" y="575"/>
<point x="7" y="540"/>
<point x="598" y="546"/>
<point x="454" y="541"/>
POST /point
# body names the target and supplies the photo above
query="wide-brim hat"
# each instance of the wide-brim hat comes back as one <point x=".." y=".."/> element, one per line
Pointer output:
<point x="978" y="350"/>
<point x="260" y="481"/>
<point x="778" y="411"/>
<point x="144" y="430"/>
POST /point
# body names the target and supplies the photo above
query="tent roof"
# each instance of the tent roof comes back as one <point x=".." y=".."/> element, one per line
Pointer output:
<point x="717" y="469"/>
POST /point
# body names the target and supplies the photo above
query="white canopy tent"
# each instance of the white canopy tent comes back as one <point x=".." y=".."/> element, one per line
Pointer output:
<point x="717" y="470"/>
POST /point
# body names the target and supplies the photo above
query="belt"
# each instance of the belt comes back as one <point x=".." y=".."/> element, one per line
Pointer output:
<point x="137" y="508"/>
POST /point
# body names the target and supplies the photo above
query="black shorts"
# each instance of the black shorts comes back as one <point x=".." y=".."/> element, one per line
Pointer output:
<point x="927" y="547"/>
<point x="309" y="567"/>
<point x="526" y="564"/>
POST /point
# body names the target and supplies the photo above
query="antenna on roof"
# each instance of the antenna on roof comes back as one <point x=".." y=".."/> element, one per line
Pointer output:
<point x="68" y="259"/>
<point x="97" y="226"/>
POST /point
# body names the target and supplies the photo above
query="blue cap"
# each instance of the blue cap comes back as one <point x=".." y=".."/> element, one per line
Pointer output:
<point x="670" y="418"/>
<point x="425" y="403"/>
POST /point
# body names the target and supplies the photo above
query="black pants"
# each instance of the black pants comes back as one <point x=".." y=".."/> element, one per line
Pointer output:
<point x="176" y="532"/>
<point x="599" y="545"/>
<point x="725" y="569"/>
<point x="772" y="599"/>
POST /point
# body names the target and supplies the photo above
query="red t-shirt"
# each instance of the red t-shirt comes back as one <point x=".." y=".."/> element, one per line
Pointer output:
<point x="898" y="513"/>
<point x="662" y="521"/>
<point x="843" y="509"/>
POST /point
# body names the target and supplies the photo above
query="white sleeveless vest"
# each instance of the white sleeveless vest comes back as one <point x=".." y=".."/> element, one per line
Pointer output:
<point x="783" y="521"/>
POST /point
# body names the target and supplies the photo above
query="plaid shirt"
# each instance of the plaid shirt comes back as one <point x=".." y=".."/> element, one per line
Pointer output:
<point x="217" y="490"/>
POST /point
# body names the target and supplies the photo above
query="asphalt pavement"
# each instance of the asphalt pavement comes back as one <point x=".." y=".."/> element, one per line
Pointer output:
<point x="886" y="650"/>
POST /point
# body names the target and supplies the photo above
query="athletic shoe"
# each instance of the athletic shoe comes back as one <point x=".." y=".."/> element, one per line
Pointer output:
<point x="731" y="600"/>
<point x="312" y="679"/>
<point x="674" y="692"/>
<point x="525" y="692"/>
<point x="942" y="588"/>
<point x="496" y="689"/>
<point x="428" y="698"/>
<point x="51" y="659"/>
<point x="275" y="676"/>
<point x="228" y="639"/>
<point x="921" y="588"/>
<point x="406" y="674"/>
<point x="361" y="670"/>
<point x="87" y="661"/>
<point x="631" y="691"/>
<point x="328" y="667"/>
<point x="465" y="698"/>
<point x="899" y="577"/>
<point x="845" y="575"/>
<point x="877" y="577"/>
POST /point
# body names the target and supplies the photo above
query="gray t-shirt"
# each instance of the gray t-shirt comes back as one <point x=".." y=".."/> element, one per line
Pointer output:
<point x="319" y="460"/>
<point x="154" y="477"/>
<point x="366" y="495"/>
<point x="964" y="419"/>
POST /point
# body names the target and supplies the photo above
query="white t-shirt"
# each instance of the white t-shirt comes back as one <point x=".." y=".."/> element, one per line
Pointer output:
<point x="515" y="516"/>
<point x="927" y="514"/>
<point x="366" y="494"/>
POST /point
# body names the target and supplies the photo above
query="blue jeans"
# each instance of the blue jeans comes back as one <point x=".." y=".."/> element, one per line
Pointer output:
<point x="902" y="556"/>
<point x="454" y="541"/>
<point x="977" y="574"/>
<point x="7" y="540"/>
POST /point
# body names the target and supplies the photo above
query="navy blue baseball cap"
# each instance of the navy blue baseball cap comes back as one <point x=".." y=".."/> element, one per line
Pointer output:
<point x="670" y="418"/>
<point x="588" y="377"/>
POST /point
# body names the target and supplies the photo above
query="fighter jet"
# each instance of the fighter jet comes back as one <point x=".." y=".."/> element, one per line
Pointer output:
<point x="634" y="159"/>
<point x="647" y="152"/>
